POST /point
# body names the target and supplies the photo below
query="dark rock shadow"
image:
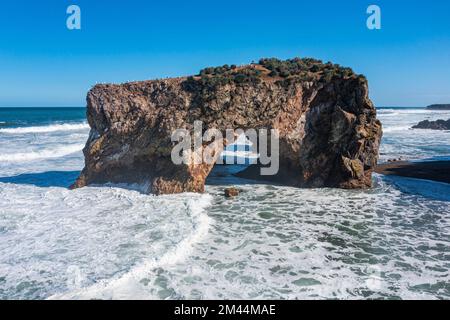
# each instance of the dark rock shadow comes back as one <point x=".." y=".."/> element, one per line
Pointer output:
<point x="47" y="179"/>
<point x="427" y="170"/>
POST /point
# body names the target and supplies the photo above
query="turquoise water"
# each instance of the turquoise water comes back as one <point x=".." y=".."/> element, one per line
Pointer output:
<point x="112" y="241"/>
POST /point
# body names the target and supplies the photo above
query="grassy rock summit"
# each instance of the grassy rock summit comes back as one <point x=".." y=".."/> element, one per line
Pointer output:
<point x="328" y="130"/>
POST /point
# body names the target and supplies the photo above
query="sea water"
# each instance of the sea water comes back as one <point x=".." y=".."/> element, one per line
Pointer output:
<point x="113" y="242"/>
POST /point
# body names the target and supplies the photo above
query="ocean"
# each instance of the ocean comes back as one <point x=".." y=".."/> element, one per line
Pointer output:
<point x="270" y="242"/>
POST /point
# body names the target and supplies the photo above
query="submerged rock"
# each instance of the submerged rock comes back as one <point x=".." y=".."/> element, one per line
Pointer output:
<point x="231" y="192"/>
<point x="433" y="125"/>
<point x="328" y="130"/>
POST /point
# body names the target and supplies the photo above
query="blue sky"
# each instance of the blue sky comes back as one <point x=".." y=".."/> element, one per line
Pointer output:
<point x="42" y="63"/>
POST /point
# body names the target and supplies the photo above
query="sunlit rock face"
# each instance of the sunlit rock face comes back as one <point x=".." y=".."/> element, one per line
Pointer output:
<point x="329" y="135"/>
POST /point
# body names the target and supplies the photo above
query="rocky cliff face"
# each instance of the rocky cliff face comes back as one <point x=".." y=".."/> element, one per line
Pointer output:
<point x="329" y="134"/>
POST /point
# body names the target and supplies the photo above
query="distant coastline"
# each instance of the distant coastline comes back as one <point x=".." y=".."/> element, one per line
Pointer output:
<point x="397" y="108"/>
<point x="439" y="107"/>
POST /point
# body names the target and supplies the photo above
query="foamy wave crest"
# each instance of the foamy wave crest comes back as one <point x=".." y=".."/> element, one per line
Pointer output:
<point x="49" y="128"/>
<point x="129" y="285"/>
<point x="43" y="154"/>
<point x="387" y="112"/>
<point x="403" y="111"/>
<point x="397" y="128"/>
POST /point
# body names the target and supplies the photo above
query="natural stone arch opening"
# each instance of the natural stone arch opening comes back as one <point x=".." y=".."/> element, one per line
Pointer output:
<point x="234" y="159"/>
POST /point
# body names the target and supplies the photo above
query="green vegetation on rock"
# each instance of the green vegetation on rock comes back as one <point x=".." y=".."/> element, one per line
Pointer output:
<point x="284" y="72"/>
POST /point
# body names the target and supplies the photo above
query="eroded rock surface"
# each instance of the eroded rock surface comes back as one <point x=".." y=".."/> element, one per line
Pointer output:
<point x="329" y="134"/>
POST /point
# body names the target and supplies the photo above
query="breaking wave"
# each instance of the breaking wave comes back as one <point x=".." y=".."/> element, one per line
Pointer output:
<point x="397" y="128"/>
<point x="45" y="129"/>
<point x="42" y="154"/>
<point x="130" y="284"/>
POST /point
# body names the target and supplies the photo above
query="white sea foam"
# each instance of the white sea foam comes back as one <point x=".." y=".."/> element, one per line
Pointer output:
<point x="91" y="242"/>
<point x="400" y="140"/>
<point x="387" y="112"/>
<point x="271" y="242"/>
<point x="397" y="128"/>
<point x="46" y="129"/>
<point x="285" y="243"/>
<point x="131" y="285"/>
<point x="410" y="111"/>
<point x="49" y="153"/>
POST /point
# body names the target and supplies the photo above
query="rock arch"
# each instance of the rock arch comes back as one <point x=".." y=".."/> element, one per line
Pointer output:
<point x="329" y="134"/>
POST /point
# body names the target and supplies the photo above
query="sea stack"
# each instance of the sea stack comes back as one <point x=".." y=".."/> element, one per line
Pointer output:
<point x="328" y="130"/>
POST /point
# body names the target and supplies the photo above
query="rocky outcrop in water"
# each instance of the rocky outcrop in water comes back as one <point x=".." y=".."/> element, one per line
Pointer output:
<point x="433" y="125"/>
<point x="231" y="192"/>
<point x="328" y="130"/>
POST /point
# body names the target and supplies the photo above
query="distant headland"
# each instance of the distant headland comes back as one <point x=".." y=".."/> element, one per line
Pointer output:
<point x="439" y="107"/>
